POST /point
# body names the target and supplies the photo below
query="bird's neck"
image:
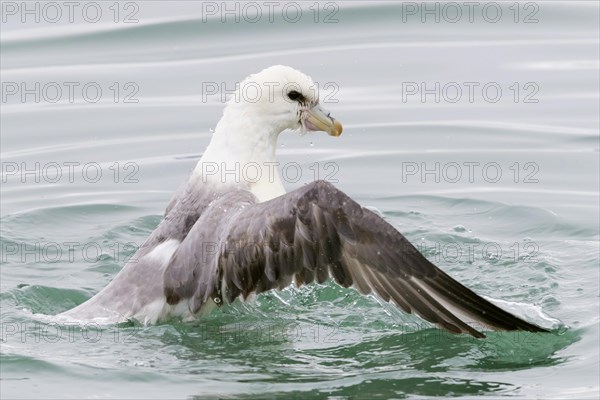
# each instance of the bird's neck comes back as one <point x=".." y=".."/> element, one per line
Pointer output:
<point x="242" y="153"/>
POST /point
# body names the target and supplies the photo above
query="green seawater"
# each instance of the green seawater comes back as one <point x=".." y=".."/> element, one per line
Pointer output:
<point x="503" y="195"/>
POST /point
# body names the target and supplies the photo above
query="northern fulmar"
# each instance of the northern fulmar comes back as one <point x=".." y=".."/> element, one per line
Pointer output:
<point x="224" y="238"/>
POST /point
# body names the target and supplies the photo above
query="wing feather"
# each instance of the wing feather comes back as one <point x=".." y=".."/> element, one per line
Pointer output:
<point x="318" y="232"/>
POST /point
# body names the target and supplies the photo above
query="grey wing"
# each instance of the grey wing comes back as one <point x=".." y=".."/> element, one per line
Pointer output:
<point x="317" y="232"/>
<point x="192" y="273"/>
<point x="192" y="270"/>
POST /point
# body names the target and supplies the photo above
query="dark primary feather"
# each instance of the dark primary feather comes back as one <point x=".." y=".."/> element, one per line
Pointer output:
<point x="239" y="246"/>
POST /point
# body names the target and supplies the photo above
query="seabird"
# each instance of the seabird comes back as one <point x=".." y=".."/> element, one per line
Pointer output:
<point x="228" y="234"/>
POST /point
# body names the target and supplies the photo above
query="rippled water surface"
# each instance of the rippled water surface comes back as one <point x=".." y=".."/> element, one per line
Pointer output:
<point x="500" y="190"/>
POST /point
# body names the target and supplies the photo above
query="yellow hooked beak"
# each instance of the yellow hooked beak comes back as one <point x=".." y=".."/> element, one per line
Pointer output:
<point x="318" y="119"/>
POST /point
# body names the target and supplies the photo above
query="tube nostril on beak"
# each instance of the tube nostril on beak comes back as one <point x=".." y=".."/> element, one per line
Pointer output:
<point x="319" y="119"/>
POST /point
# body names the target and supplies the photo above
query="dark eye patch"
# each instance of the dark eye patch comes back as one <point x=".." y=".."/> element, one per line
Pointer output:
<point x="295" y="96"/>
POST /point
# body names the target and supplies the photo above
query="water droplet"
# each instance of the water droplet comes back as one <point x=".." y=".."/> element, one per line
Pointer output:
<point x="459" y="228"/>
<point x="282" y="145"/>
<point x="211" y="130"/>
<point x="312" y="144"/>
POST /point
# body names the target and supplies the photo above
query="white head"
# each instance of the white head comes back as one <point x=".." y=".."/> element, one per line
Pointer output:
<point x="265" y="104"/>
<point x="281" y="97"/>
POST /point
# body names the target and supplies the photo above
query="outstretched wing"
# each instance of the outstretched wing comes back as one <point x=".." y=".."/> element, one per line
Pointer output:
<point x="317" y="232"/>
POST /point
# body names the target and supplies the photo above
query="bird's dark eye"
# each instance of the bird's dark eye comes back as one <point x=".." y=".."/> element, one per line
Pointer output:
<point x="294" y="95"/>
